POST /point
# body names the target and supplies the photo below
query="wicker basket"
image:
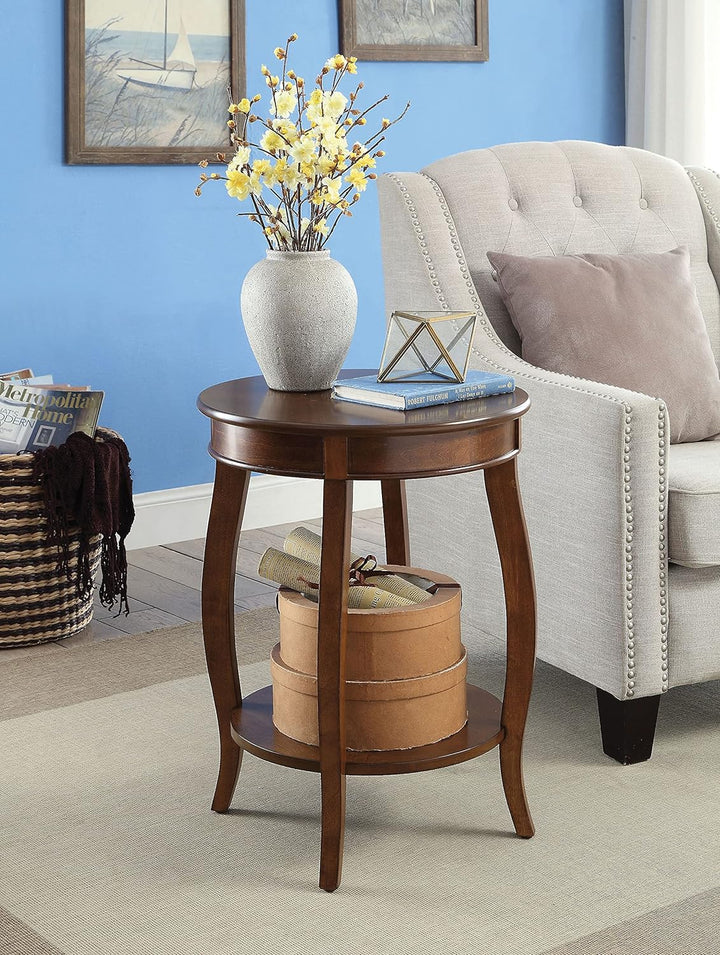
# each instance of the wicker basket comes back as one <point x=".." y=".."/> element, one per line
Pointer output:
<point x="38" y="602"/>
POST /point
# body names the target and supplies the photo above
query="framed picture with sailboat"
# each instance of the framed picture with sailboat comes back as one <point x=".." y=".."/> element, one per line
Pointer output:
<point x="147" y="81"/>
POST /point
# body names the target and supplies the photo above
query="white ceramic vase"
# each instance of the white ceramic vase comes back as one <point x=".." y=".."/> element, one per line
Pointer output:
<point x="299" y="311"/>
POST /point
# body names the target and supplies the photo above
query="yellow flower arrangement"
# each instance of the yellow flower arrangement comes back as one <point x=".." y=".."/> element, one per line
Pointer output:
<point x="305" y="174"/>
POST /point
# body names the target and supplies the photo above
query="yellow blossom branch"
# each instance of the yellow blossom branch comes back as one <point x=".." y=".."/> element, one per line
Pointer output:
<point x="304" y="164"/>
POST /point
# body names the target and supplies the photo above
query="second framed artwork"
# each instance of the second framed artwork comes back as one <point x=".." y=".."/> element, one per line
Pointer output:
<point x="147" y="81"/>
<point x="414" y="29"/>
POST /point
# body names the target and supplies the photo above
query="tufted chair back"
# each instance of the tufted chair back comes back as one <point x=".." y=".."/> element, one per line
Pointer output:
<point x="572" y="197"/>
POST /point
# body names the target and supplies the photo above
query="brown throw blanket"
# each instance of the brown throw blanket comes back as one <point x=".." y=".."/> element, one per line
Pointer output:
<point x="86" y="483"/>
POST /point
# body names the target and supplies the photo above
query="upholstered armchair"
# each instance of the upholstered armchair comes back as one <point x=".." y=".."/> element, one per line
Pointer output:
<point x="624" y="526"/>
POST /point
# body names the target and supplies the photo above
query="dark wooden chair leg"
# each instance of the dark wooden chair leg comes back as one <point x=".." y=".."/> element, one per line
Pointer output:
<point x="627" y="726"/>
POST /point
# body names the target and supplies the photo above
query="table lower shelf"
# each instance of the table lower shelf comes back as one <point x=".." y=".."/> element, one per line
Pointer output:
<point x="253" y="730"/>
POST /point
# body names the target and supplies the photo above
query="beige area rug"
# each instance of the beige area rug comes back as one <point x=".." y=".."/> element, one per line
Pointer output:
<point x="108" y="845"/>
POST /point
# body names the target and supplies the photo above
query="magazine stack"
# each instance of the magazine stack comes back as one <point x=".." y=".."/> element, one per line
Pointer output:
<point x="37" y="413"/>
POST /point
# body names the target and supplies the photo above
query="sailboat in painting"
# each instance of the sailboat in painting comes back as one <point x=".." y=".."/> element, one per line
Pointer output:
<point x="177" y="71"/>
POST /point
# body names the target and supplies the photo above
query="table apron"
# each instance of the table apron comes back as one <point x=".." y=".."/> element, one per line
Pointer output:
<point x="369" y="457"/>
<point x="294" y="455"/>
<point x="429" y="455"/>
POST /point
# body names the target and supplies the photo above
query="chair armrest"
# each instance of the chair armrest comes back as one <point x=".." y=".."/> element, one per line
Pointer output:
<point x="707" y="187"/>
<point x="592" y="477"/>
<point x="592" y="473"/>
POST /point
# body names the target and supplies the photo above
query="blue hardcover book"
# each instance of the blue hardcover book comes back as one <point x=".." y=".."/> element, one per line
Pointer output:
<point x="404" y="396"/>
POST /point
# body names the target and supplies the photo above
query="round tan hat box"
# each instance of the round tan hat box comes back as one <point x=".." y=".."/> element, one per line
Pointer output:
<point x="379" y="714"/>
<point x="387" y="644"/>
<point x="405" y="670"/>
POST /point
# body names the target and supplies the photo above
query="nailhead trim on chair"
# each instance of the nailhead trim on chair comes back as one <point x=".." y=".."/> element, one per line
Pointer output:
<point x="421" y="239"/>
<point x="663" y="554"/>
<point x="704" y="196"/>
<point x="627" y="489"/>
<point x="627" y="464"/>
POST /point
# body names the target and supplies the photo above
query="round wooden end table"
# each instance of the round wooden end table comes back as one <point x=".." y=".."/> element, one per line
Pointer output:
<point x="312" y="435"/>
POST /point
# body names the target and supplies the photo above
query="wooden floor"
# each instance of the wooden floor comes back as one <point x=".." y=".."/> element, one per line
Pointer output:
<point x="164" y="582"/>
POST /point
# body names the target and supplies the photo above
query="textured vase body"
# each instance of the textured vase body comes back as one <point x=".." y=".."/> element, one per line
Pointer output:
<point x="299" y="312"/>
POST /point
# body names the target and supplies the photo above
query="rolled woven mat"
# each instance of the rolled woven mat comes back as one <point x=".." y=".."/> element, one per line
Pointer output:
<point x="307" y="545"/>
<point x="304" y="577"/>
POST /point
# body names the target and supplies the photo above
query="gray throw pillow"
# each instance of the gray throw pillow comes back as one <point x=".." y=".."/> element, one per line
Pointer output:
<point x="629" y="320"/>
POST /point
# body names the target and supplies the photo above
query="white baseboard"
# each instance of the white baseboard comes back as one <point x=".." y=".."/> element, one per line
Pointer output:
<point x="181" y="513"/>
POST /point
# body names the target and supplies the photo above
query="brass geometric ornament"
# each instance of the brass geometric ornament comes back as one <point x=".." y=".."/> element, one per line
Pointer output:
<point x="427" y="346"/>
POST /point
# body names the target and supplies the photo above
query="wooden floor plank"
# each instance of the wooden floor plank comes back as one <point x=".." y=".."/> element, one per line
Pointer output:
<point x="368" y="530"/>
<point x="167" y="563"/>
<point x="365" y="548"/>
<point x="259" y="539"/>
<point x="194" y="548"/>
<point x="106" y="615"/>
<point x="373" y="514"/>
<point x="247" y="560"/>
<point x="257" y="600"/>
<point x="164" y="594"/>
<point x="187" y="570"/>
<point x="142" y="621"/>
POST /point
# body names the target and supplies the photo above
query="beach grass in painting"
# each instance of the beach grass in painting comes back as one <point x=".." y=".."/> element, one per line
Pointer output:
<point x="415" y="22"/>
<point x="121" y="113"/>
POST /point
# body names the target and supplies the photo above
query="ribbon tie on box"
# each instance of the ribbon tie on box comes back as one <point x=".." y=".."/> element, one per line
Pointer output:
<point x="360" y="569"/>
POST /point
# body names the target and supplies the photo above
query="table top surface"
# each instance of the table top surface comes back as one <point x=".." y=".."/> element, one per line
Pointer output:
<point x="249" y="403"/>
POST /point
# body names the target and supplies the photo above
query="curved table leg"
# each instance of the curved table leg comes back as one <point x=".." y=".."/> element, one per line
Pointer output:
<point x="332" y="631"/>
<point x="395" y="522"/>
<point x="218" y="617"/>
<point x="501" y="483"/>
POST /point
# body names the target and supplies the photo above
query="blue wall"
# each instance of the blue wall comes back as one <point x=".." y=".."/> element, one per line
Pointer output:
<point x="120" y="277"/>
